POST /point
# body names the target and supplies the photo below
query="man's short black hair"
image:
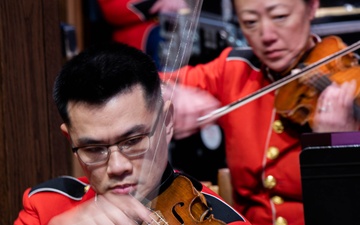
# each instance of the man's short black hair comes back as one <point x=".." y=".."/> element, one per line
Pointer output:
<point x="102" y="72"/>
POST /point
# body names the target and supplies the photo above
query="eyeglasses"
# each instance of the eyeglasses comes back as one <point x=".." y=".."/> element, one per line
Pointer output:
<point x="130" y="147"/>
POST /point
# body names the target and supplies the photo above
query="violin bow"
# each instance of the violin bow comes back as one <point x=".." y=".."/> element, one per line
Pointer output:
<point x="180" y="43"/>
<point x="178" y="29"/>
<point x="215" y="114"/>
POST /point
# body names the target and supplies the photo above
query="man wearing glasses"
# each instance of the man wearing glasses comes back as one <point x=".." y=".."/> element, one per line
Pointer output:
<point x="119" y="127"/>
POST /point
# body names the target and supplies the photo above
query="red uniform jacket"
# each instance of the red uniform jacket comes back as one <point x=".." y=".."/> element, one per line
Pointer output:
<point x="131" y="20"/>
<point x="56" y="196"/>
<point x="262" y="150"/>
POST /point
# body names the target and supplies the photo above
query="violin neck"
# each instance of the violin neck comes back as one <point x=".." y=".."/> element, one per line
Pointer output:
<point x="320" y="82"/>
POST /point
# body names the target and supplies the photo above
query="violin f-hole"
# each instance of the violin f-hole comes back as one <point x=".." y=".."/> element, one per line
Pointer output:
<point x="177" y="216"/>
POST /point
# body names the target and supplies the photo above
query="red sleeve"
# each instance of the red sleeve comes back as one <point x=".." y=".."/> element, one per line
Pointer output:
<point x="121" y="12"/>
<point x="41" y="207"/>
<point x="28" y="214"/>
<point x="204" y="76"/>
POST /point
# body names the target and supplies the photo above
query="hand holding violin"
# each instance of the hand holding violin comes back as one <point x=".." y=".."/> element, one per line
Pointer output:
<point x="334" y="110"/>
<point x="105" y="210"/>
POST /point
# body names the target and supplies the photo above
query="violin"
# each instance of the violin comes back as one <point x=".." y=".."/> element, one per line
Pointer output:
<point x="181" y="203"/>
<point x="329" y="61"/>
<point x="297" y="100"/>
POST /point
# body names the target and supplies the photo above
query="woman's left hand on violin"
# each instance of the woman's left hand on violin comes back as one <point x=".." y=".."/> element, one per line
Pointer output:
<point x="334" y="109"/>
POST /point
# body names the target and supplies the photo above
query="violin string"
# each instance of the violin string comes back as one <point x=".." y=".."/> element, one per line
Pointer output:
<point x="185" y="24"/>
<point x="185" y="27"/>
<point x="320" y="78"/>
<point x="339" y="64"/>
<point x="316" y="79"/>
<point x="159" y="220"/>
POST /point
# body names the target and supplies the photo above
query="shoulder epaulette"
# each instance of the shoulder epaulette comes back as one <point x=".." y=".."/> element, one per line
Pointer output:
<point x="141" y="8"/>
<point x="245" y="54"/>
<point x="222" y="210"/>
<point x="65" y="185"/>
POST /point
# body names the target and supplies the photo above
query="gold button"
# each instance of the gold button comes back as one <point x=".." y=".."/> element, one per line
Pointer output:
<point x="86" y="188"/>
<point x="277" y="200"/>
<point x="280" y="221"/>
<point x="278" y="127"/>
<point x="269" y="182"/>
<point x="272" y="153"/>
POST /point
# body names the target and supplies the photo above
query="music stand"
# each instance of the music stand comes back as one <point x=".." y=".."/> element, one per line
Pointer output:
<point x="330" y="174"/>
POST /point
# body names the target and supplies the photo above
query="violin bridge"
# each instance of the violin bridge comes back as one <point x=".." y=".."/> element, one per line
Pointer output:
<point x="157" y="219"/>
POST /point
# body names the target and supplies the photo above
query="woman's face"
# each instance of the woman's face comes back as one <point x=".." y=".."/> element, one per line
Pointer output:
<point x="277" y="30"/>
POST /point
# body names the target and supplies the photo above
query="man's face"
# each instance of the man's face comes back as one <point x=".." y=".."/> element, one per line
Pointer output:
<point x="122" y="117"/>
<point x="277" y="30"/>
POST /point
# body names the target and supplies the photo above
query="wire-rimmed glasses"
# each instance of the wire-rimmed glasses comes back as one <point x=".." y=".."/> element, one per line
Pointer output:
<point x="130" y="147"/>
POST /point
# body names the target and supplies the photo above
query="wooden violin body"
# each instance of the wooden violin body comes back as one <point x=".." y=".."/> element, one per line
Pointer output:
<point x="297" y="100"/>
<point x="181" y="203"/>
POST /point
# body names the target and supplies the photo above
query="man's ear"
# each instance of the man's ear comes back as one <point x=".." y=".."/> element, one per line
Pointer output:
<point x="65" y="131"/>
<point x="168" y="112"/>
